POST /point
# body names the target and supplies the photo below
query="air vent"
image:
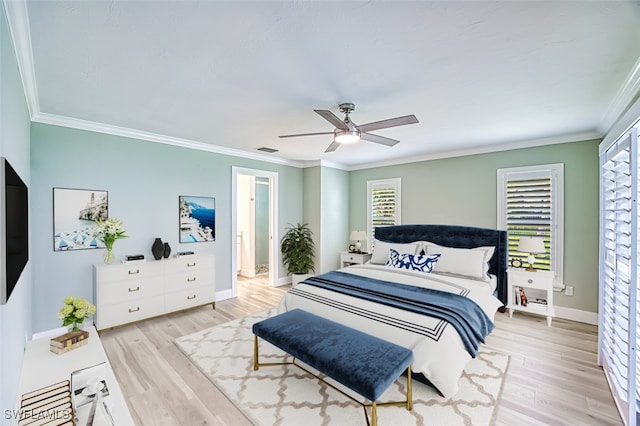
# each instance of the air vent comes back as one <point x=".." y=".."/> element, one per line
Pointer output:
<point x="266" y="149"/>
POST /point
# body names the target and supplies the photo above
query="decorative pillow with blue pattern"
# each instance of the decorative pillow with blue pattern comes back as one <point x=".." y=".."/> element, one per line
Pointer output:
<point x="411" y="262"/>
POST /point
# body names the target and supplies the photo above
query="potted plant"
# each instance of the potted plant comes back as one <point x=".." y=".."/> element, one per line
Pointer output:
<point x="298" y="251"/>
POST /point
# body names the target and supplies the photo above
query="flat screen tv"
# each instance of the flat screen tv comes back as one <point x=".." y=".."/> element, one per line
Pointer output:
<point x="14" y="229"/>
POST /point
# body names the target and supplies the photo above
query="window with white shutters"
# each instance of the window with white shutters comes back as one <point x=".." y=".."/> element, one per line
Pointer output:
<point x="530" y="204"/>
<point x="383" y="205"/>
<point x="618" y="334"/>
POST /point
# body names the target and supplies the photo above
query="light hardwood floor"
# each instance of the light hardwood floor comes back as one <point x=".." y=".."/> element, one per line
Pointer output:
<point x="552" y="377"/>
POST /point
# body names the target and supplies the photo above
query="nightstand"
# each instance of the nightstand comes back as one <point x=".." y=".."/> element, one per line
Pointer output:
<point x="347" y="258"/>
<point x="538" y="288"/>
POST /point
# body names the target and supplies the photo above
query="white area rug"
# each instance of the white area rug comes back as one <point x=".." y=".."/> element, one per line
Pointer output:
<point x="286" y="395"/>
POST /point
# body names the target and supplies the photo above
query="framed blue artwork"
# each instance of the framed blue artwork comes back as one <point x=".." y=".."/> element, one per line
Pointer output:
<point x="197" y="219"/>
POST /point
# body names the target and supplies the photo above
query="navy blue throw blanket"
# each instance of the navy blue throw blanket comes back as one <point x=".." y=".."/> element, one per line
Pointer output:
<point x="462" y="313"/>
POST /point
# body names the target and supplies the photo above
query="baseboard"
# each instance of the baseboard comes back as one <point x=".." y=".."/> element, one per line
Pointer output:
<point x="282" y="281"/>
<point x="576" y="315"/>
<point x="224" y="295"/>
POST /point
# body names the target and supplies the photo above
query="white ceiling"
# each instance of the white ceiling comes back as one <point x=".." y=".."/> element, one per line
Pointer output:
<point x="220" y="75"/>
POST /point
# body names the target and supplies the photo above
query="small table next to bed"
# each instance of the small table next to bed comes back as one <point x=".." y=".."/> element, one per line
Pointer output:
<point x="348" y="258"/>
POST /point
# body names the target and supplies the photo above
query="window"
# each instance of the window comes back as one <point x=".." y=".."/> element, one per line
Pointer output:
<point x="530" y="204"/>
<point x="618" y="335"/>
<point x="383" y="205"/>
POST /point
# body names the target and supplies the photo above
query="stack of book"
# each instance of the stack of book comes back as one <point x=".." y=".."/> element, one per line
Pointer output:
<point x="69" y="341"/>
<point x="50" y="406"/>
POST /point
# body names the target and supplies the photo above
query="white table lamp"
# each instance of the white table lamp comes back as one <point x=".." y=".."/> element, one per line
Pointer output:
<point x="358" y="236"/>
<point x="531" y="245"/>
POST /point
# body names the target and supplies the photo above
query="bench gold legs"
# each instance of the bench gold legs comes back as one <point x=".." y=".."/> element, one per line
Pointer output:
<point x="374" y="404"/>
<point x="408" y="402"/>
<point x="257" y="364"/>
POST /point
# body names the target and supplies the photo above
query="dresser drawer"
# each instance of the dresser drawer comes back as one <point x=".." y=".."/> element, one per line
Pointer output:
<point x="188" y="279"/>
<point x="189" y="298"/>
<point x="128" y="271"/>
<point x="190" y="263"/>
<point x="539" y="280"/>
<point x="123" y="313"/>
<point x="125" y="291"/>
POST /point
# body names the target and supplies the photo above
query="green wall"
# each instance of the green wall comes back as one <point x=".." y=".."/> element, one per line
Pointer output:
<point x="143" y="180"/>
<point x="326" y="210"/>
<point x="463" y="191"/>
<point x="15" y="315"/>
<point x="335" y="217"/>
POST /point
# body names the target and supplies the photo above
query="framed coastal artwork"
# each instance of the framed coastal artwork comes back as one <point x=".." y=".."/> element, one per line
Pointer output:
<point x="75" y="212"/>
<point x="197" y="219"/>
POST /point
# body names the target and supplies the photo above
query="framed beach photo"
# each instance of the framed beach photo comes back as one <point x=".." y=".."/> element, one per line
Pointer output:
<point x="75" y="212"/>
<point x="197" y="219"/>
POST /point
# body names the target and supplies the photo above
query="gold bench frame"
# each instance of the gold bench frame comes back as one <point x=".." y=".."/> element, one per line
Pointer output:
<point x="374" y="405"/>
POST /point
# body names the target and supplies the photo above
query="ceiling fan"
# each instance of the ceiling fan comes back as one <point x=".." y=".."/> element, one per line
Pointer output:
<point x="347" y="131"/>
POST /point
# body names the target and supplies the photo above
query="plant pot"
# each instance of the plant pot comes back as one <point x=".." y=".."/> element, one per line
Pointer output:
<point x="297" y="278"/>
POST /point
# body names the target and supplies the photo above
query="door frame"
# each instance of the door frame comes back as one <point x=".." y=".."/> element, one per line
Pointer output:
<point x="273" y="222"/>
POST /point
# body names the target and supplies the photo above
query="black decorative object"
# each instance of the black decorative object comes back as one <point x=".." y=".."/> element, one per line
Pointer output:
<point x="167" y="250"/>
<point x="157" y="248"/>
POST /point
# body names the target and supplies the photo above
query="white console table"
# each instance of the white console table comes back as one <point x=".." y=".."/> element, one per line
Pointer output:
<point x="41" y="367"/>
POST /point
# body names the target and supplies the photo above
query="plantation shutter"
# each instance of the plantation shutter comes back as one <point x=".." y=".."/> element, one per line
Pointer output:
<point x="383" y="204"/>
<point x="530" y="203"/>
<point x="618" y="333"/>
<point x="529" y="213"/>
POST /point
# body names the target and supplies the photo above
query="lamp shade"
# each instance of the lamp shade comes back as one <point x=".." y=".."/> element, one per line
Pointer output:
<point x="358" y="236"/>
<point x="531" y="245"/>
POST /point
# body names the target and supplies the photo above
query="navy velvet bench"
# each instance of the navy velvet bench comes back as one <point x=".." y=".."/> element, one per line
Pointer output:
<point x="365" y="364"/>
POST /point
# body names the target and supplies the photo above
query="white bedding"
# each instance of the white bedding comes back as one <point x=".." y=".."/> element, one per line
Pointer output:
<point x="438" y="350"/>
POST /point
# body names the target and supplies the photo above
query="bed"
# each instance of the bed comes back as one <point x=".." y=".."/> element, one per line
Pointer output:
<point x="434" y="289"/>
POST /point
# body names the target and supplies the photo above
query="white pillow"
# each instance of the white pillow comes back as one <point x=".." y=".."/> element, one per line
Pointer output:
<point x="381" y="249"/>
<point x="472" y="263"/>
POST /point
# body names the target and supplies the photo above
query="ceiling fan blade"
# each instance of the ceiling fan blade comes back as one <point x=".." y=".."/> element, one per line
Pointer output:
<point x="332" y="147"/>
<point x="391" y="122"/>
<point x="305" y="134"/>
<point x="378" y="139"/>
<point x="332" y="118"/>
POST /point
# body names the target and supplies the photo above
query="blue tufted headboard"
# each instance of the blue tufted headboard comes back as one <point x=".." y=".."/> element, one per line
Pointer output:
<point x="459" y="237"/>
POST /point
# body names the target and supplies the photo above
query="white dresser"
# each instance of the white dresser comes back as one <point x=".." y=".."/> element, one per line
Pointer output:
<point x="133" y="291"/>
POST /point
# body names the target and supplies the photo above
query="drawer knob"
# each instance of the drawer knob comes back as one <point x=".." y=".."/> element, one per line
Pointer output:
<point x="191" y="297"/>
<point x="137" y="271"/>
<point x="189" y="265"/>
<point x="530" y="281"/>
<point x="190" y="280"/>
<point x="134" y="310"/>
<point x="131" y="290"/>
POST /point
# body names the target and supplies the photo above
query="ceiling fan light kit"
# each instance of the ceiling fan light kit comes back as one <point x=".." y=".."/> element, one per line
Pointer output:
<point x="347" y="136"/>
<point x="346" y="131"/>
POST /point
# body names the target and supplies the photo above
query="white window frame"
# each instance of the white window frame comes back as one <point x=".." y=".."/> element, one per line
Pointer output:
<point x="556" y="173"/>
<point x="396" y="184"/>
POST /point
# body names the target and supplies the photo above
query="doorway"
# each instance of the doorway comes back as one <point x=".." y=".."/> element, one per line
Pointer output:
<point x="254" y="197"/>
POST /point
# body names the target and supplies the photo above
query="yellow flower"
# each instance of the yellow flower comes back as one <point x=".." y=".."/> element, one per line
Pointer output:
<point x="80" y="303"/>
<point x="75" y="310"/>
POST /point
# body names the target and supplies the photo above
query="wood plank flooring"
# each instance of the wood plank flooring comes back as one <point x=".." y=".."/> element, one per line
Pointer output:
<point x="552" y="379"/>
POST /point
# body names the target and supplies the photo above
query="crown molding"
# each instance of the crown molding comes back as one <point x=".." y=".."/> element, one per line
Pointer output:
<point x="325" y="163"/>
<point x="623" y="99"/>
<point x="576" y="137"/>
<point x="18" y="20"/>
<point x="92" y="126"/>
